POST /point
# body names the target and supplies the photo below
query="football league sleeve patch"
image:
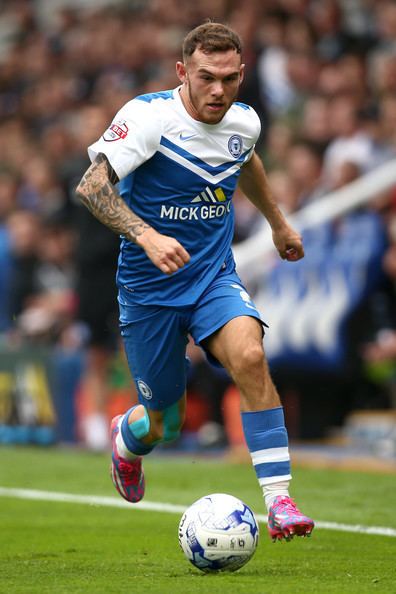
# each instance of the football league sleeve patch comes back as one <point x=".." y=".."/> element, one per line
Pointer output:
<point x="131" y="139"/>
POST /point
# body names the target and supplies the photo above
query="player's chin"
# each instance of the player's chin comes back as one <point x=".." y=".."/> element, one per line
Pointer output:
<point x="213" y="114"/>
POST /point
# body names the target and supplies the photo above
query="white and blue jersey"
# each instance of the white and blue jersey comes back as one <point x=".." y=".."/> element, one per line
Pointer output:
<point x="179" y="176"/>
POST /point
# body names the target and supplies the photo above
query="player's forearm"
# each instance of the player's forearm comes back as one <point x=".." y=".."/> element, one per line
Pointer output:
<point x="254" y="184"/>
<point x="97" y="192"/>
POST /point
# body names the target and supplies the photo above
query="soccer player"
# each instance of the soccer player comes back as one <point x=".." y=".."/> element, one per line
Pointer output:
<point x="178" y="156"/>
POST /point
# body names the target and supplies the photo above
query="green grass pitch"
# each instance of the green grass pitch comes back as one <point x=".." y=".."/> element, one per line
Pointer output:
<point x="68" y="548"/>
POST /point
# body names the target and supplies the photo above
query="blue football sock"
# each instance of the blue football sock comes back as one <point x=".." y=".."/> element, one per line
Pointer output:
<point x="267" y="440"/>
<point x="132" y="443"/>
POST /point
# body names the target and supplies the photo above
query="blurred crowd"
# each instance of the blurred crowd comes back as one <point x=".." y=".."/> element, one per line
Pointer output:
<point x="320" y="73"/>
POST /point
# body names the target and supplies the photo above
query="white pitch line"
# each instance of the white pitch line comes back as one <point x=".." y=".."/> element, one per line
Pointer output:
<point x="96" y="500"/>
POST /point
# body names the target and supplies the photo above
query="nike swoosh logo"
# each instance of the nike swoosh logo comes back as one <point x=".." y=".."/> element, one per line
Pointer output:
<point x="183" y="138"/>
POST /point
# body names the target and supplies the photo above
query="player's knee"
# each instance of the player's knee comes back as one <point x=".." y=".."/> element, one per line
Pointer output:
<point x="250" y="358"/>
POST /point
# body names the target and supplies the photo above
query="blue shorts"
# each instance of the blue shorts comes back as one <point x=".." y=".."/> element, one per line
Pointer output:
<point x="155" y="337"/>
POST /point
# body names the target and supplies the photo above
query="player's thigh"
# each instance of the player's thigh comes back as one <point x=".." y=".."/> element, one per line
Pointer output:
<point x="238" y="345"/>
<point x="155" y="344"/>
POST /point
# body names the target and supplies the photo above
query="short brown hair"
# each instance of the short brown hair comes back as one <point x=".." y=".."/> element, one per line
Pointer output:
<point x="211" y="37"/>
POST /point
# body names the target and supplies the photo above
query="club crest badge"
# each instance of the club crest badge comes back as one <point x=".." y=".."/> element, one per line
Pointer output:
<point x="145" y="390"/>
<point x="235" y="145"/>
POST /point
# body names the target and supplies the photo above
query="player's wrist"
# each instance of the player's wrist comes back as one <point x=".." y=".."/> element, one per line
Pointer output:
<point x="145" y="235"/>
<point x="275" y="217"/>
<point x="278" y="225"/>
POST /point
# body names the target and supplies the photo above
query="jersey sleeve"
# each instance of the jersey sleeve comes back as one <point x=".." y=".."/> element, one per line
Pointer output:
<point x="255" y="131"/>
<point x="131" y="139"/>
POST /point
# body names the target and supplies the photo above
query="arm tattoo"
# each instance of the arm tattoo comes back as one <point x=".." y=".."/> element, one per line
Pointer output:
<point x="97" y="192"/>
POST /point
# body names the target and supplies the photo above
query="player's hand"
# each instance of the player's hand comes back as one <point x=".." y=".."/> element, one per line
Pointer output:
<point x="288" y="243"/>
<point x="165" y="252"/>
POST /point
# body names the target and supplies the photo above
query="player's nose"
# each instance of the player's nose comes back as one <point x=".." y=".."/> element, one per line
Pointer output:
<point x="217" y="89"/>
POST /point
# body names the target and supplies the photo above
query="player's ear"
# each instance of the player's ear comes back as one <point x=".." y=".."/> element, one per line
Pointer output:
<point x="241" y="73"/>
<point x="181" y="71"/>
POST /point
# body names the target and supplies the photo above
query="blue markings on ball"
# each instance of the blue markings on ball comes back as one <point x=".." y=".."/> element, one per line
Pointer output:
<point x="247" y="517"/>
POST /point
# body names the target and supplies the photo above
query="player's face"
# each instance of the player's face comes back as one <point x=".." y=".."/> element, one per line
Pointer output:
<point x="210" y="84"/>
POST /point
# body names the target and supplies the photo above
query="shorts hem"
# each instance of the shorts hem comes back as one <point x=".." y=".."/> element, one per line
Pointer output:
<point x="225" y="321"/>
<point x="159" y="406"/>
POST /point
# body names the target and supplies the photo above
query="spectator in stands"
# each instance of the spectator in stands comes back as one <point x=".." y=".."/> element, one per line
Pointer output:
<point x="315" y="125"/>
<point x="283" y="190"/>
<point x="326" y="21"/>
<point x="43" y="296"/>
<point x="304" y="164"/>
<point x="24" y="229"/>
<point x="384" y="13"/>
<point x="387" y="119"/>
<point x="40" y="189"/>
<point x="278" y="141"/>
<point x="275" y="85"/>
<point x="351" y="140"/>
<point x="383" y="72"/>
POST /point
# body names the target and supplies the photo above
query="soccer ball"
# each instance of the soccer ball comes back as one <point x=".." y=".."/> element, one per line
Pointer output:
<point x="218" y="533"/>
